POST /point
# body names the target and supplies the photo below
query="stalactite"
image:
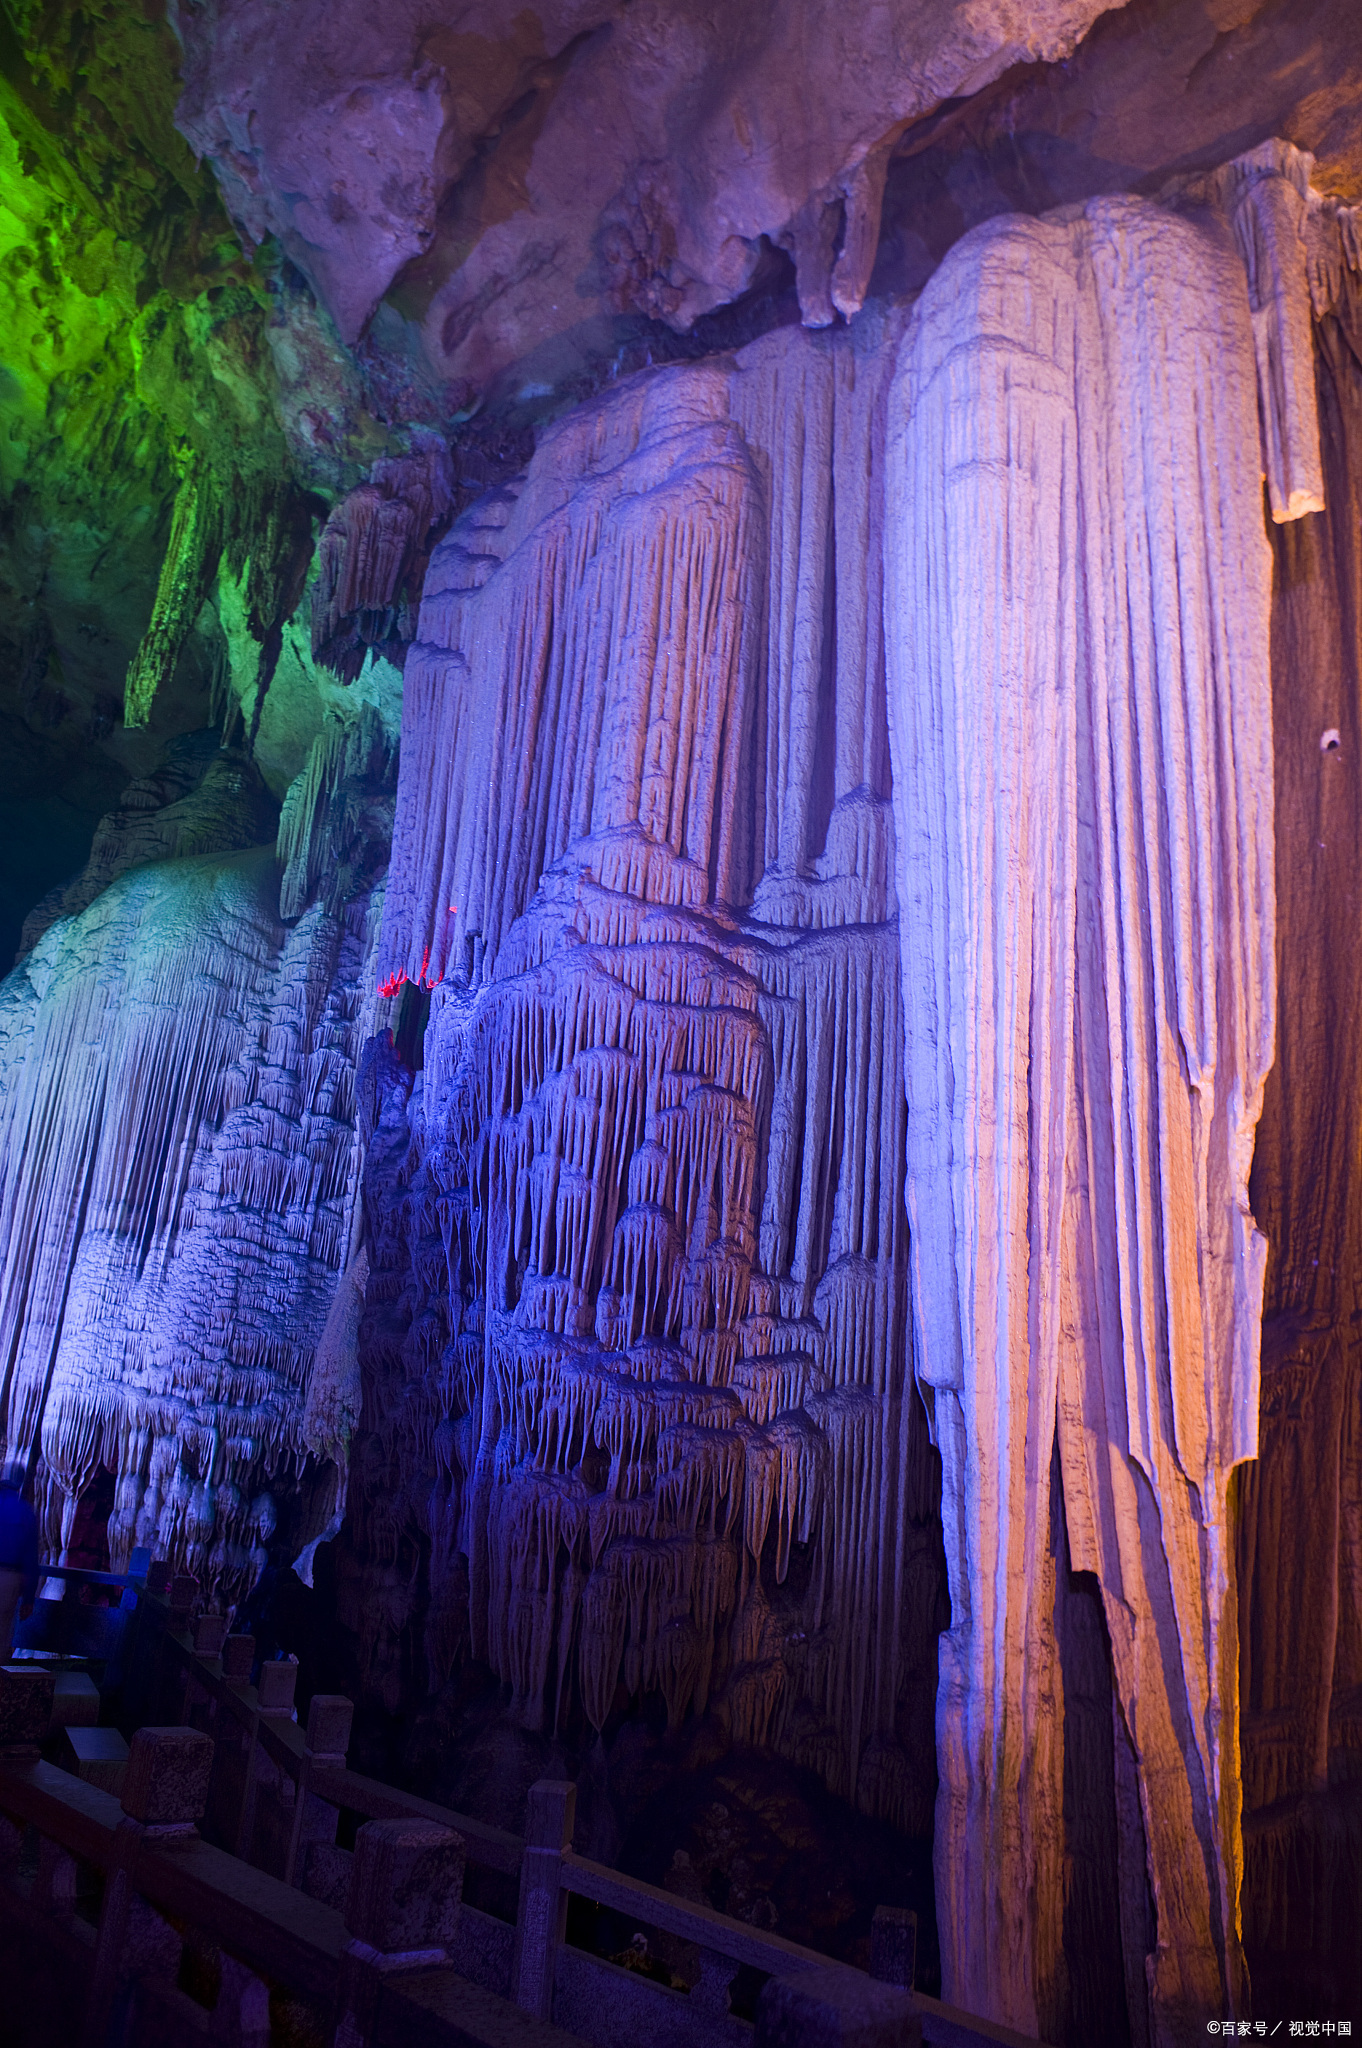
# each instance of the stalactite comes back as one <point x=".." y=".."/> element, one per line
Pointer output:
<point x="370" y="546"/>
<point x="268" y="542"/>
<point x="258" y="527"/>
<point x="186" y="581"/>
<point x="1267" y="196"/>
<point x="1083" y="792"/>
<point x="336" y="823"/>
<point x="267" y="547"/>
<point x="566" y="756"/>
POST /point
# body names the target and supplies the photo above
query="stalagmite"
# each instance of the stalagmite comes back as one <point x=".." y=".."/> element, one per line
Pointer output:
<point x="1079" y="696"/>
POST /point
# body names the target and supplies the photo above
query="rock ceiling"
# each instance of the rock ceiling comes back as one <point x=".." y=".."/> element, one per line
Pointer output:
<point x="560" y="200"/>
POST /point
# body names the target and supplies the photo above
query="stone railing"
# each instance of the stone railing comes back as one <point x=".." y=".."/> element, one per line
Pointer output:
<point x="221" y="1865"/>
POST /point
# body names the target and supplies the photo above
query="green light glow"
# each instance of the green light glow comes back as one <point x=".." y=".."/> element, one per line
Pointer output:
<point x="66" y="307"/>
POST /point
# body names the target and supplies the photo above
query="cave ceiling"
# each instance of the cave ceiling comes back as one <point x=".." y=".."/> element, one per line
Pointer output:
<point x="269" y="242"/>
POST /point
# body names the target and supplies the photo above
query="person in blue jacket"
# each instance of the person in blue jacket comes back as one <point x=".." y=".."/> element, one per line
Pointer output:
<point x="18" y="1554"/>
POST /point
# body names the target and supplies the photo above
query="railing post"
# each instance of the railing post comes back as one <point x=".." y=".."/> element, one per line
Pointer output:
<point x="231" y="1742"/>
<point x="273" y="1699"/>
<point x="200" y="1708"/>
<point x="709" y="1994"/>
<point x="164" y="1794"/>
<point x="166" y="1786"/>
<point x="55" y="1889"/>
<point x="238" y="1655"/>
<point x="210" y="1633"/>
<point x="273" y="1702"/>
<point x="278" y="1682"/>
<point x="893" y="1946"/>
<point x="835" y="2008"/>
<point x="406" y="1888"/>
<point x="541" y="1919"/>
<point x="25" y="1711"/>
<point x="329" y="1719"/>
<point x="184" y="1591"/>
<point x="245" y="1826"/>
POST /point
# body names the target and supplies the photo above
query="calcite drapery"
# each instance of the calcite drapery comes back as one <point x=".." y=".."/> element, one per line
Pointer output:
<point x="177" y="1172"/>
<point x="1077" y="600"/>
<point x="1079" y="693"/>
<point x="1267" y="196"/>
<point x="643" y="852"/>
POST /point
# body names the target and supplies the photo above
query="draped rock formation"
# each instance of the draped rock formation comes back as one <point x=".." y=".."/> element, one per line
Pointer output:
<point x="179" y="1166"/>
<point x="648" y="1344"/>
<point x="647" y="1337"/>
<point x="1078" y="595"/>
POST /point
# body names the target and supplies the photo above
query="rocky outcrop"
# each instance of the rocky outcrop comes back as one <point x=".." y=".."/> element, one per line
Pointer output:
<point x="521" y="178"/>
<point x="202" y="798"/>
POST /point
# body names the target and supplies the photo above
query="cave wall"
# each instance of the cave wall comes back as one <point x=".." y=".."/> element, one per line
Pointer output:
<point x="1300" y="1504"/>
<point x="177" y="418"/>
<point x="523" y="179"/>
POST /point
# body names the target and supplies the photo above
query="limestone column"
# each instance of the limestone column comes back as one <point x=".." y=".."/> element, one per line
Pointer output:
<point x="1077" y="584"/>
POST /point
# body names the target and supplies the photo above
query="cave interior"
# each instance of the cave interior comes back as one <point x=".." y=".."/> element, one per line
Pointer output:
<point x="692" y="1129"/>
